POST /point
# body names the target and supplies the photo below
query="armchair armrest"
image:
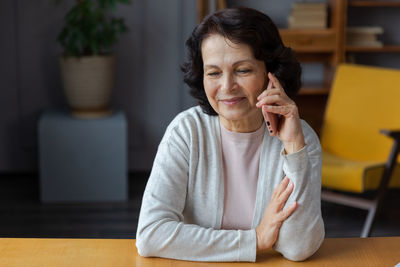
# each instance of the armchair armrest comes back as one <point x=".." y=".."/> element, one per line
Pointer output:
<point x="391" y="161"/>
<point x="395" y="134"/>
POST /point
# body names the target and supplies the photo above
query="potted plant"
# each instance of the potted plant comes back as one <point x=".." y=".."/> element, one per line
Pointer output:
<point x="87" y="63"/>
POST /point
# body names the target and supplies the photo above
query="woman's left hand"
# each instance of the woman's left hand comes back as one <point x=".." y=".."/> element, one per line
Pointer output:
<point x="275" y="100"/>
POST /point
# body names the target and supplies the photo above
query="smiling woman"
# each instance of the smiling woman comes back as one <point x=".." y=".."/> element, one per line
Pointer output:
<point x="233" y="79"/>
<point x="223" y="187"/>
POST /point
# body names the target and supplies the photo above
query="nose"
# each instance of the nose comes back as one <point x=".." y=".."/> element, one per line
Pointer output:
<point x="228" y="83"/>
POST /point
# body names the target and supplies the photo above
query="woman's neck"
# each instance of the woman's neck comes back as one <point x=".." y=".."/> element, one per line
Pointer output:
<point x="247" y="125"/>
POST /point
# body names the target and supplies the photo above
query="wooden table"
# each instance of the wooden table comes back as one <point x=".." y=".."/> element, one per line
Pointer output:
<point x="378" y="251"/>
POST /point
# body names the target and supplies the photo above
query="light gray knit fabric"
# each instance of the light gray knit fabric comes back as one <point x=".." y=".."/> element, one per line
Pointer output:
<point x="182" y="206"/>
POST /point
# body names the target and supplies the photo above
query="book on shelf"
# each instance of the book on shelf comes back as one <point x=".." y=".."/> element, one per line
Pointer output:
<point x="308" y="15"/>
<point x="365" y="43"/>
<point x="306" y="12"/>
<point x="309" y="6"/>
<point x="361" y="37"/>
<point x="295" y="23"/>
<point x="364" y="36"/>
<point x="365" y="29"/>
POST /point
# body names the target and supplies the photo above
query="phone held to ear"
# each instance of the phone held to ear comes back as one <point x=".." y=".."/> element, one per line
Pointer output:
<point x="272" y="121"/>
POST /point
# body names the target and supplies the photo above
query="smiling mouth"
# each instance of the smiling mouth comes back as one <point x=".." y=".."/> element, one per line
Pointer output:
<point x="232" y="101"/>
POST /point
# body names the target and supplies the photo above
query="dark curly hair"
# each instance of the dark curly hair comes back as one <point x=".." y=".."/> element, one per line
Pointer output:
<point x="248" y="26"/>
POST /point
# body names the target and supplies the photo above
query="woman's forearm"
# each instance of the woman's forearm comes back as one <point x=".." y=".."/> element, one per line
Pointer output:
<point x="303" y="232"/>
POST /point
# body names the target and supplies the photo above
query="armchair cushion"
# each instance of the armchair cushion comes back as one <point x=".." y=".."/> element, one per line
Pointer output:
<point x="353" y="176"/>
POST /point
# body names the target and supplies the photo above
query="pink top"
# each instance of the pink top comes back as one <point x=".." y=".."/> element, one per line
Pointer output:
<point x="241" y="158"/>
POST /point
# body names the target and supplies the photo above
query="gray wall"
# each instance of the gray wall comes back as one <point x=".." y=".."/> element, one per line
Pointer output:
<point x="149" y="84"/>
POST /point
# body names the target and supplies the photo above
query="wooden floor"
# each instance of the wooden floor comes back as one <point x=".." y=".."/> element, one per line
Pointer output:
<point x="22" y="214"/>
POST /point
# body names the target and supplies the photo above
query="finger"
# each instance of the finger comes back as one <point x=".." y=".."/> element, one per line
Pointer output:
<point x="283" y="197"/>
<point x="270" y="85"/>
<point x="284" y="214"/>
<point x="282" y="110"/>
<point x="276" y="83"/>
<point x="281" y="187"/>
<point x="274" y="80"/>
<point x="276" y="99"/>
<point x="263" y="93"/>
<point x="272" y="91"/>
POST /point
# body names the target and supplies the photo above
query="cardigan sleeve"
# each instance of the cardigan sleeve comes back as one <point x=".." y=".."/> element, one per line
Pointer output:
<point x="161" y="229"/>
<point x="302" y="233"/>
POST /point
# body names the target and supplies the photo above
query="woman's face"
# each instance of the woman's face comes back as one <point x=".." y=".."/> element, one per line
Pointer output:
<point x="233" y="78"/>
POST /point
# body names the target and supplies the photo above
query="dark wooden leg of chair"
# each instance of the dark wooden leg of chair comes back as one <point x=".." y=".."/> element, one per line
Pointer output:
<point x="377" y="202"/>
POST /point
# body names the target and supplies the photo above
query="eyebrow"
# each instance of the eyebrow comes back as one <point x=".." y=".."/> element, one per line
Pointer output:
<point x="236" y="63"/>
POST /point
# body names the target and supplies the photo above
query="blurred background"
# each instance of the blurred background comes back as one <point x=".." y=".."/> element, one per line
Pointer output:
<point x="148" y="91"/>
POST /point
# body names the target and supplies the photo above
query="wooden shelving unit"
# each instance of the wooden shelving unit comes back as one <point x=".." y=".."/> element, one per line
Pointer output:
<point x="374" y="3"/>
<point x="384" y="49"/>
<point x="310" y="41"/>
<point x="387" y="48"/>
<point x="320" y="46"/>
<point x="316" y="89"/>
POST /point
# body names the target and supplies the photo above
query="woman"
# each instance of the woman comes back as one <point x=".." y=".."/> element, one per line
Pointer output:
<point x="221" y="187"/>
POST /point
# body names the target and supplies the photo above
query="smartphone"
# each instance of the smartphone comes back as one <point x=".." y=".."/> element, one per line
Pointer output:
<point x="272" y="121"/>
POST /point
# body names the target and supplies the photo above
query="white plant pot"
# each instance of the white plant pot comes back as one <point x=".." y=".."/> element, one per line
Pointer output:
<point x="87" y="84"/>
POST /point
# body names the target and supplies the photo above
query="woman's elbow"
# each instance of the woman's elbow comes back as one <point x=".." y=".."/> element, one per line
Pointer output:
<point x="149" y="243"/>
<point x="144" y="247"/>
<point x="144" y="243"/>
<point x="152" y="240"/>
<point x="297" y="255"/>
<point x="304" y="250"/>
<point x="300" y="254"/>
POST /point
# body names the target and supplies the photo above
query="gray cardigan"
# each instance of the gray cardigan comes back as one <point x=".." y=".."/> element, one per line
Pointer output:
<point x="182" y="205"/>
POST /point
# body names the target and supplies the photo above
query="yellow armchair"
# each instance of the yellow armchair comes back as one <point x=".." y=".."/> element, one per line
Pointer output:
<point x="363" y="110"/>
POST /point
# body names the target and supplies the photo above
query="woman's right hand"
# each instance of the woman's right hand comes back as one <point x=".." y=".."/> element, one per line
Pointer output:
<point x="268" y="230"/>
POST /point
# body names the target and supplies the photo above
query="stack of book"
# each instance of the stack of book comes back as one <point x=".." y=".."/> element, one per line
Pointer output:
<point x="364" y="36"/>
<point x="308" y="15"/>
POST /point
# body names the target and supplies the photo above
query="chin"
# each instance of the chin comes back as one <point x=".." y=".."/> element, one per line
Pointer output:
<point x="233" y="115"/>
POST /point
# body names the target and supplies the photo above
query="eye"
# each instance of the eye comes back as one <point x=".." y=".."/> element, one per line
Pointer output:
<point x="213" y="73"/>
<point x="243" y="71"/>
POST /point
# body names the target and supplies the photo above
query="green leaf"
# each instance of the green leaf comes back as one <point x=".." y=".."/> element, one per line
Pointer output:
<point x="89" y="28"/>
